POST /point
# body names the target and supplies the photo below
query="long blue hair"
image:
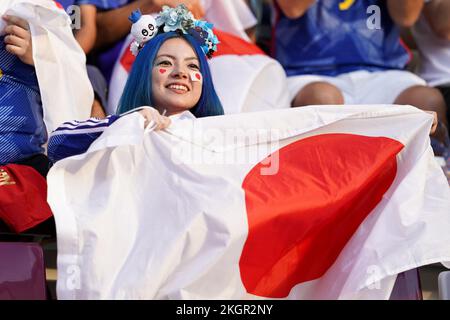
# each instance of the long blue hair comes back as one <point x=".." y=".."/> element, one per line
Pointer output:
<point x="138" y="89"/>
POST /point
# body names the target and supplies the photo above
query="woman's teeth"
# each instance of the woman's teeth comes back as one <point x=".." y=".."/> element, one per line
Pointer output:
<point x="178" y="87"/>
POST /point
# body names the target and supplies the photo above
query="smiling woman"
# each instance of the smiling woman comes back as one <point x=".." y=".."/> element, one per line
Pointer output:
<point x="170" y="76"/>
<point x="171" y="73"/>
<point x="175" y="86"/>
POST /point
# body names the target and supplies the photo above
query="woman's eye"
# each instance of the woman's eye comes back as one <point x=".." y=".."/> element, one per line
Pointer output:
<point x="164" y="63"/>
<point x="144" y="32"/>
<point x="194" y="66"/>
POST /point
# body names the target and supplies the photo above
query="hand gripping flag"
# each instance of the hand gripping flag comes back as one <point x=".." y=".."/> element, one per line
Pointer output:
<point x="320" y="202"/>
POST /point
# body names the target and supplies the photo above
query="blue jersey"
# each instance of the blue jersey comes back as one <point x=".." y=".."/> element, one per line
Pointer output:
<point x="106" y="59"/>
<point x="22" y="130"/>
<point x="330" y="39"/>
<point x="75" y="137"/>
<point x="100" y="4"/>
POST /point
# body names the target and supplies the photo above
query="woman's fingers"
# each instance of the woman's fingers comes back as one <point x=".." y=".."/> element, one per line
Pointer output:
<point x="435" y="121"/>
<point x="166" y="122"/>
<point x="18" y="39"/>
<point x="13" y="20"/>
<point x="152" y="115"/>
<point x="17" y="31"/>
<point x="162" y="122"/>
<point x="18" y="51"/>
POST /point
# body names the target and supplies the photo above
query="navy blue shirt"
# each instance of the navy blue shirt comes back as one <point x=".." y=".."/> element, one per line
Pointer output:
<point x="100" y="4"/>
<point x="329" y="41"/>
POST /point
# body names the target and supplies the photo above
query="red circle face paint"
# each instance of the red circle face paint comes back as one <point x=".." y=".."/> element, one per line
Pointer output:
<point x="198" y="76"/>
<point x="162" y="71"/>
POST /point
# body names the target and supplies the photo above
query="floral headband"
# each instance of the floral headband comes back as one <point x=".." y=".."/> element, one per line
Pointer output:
<point x="180" y="19"/>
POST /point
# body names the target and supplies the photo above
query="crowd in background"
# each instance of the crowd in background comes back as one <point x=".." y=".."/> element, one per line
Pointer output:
<point x="332" y="51"/>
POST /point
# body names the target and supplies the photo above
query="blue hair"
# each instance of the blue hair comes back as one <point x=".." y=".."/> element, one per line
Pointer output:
<point x="138" y="89"/>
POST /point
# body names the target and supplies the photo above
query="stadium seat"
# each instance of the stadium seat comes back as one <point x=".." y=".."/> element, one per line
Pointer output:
<point x="43" y="231"/>
<point x="22" y="275"/>
<point x="407" y="286"/>
<point x="444" y="285"/>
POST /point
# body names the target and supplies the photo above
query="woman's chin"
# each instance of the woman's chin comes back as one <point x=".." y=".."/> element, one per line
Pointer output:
<point x="174" y="109"/>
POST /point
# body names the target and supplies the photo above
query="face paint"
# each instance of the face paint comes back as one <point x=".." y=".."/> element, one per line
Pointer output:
<point x="196" y="76"/>
<point x="162" y="71"/>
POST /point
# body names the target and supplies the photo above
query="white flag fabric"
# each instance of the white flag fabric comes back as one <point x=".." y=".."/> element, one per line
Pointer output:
<point x="59" y="61"/>
<point x="322" y="202"/>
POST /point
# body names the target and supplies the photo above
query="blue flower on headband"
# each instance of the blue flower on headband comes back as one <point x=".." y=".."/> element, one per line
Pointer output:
<point x="179" y="18"/>
<point x="210" y="40"/>
<point x="203" y="24"/>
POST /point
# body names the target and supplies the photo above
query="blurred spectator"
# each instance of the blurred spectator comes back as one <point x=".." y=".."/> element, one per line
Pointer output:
<point x="337" y="52"/>
<point x="432" y="36"/>
<point x="113" y="26"/>
<point x="86" y="35"/>
<point x="37" y="91"/>
<point x="263" y="29"/>
<point x="232" y="16"/>
<point x="259" y="82"/>
<point x="19" y="94"/>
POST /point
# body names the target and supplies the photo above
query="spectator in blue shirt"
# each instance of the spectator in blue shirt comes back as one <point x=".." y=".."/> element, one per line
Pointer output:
<point x="348" y="51"/>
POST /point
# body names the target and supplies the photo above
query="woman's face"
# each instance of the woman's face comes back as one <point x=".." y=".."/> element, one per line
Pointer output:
<point x="177" y="81"/>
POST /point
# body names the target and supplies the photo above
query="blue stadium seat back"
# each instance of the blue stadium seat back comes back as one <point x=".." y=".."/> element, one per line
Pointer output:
<point x="407" y="286"/>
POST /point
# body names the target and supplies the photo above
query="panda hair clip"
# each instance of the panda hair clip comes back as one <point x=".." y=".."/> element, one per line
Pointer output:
<point x="143" y="29"/>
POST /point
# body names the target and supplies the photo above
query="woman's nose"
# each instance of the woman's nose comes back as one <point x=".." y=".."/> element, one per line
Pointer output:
<point x="179" y="73"/>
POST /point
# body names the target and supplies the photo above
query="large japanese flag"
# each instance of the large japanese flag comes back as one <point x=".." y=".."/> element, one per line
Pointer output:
<point x="324" y="202"/>
<point x="60" y="63"/>
<point x="244" y="77"/>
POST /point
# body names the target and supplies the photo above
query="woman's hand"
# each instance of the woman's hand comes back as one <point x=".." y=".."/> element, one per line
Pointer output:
<point x="435" y="122"/>
<point x="151" y="114"/>
<point x="18" y="39"/>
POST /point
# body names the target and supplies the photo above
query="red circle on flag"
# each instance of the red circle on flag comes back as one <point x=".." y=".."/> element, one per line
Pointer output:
<point x="300" y="218"/>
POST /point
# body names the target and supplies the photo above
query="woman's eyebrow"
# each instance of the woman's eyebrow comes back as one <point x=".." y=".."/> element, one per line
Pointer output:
<point x="165" y="55"/>
<point x="173" y="58"/>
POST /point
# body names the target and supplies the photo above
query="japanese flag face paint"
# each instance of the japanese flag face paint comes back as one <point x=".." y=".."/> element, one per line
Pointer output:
<point x="196" y="76"/>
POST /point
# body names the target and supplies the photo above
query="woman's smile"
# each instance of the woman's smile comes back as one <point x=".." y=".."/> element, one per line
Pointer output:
<point x="178" y="88"/>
